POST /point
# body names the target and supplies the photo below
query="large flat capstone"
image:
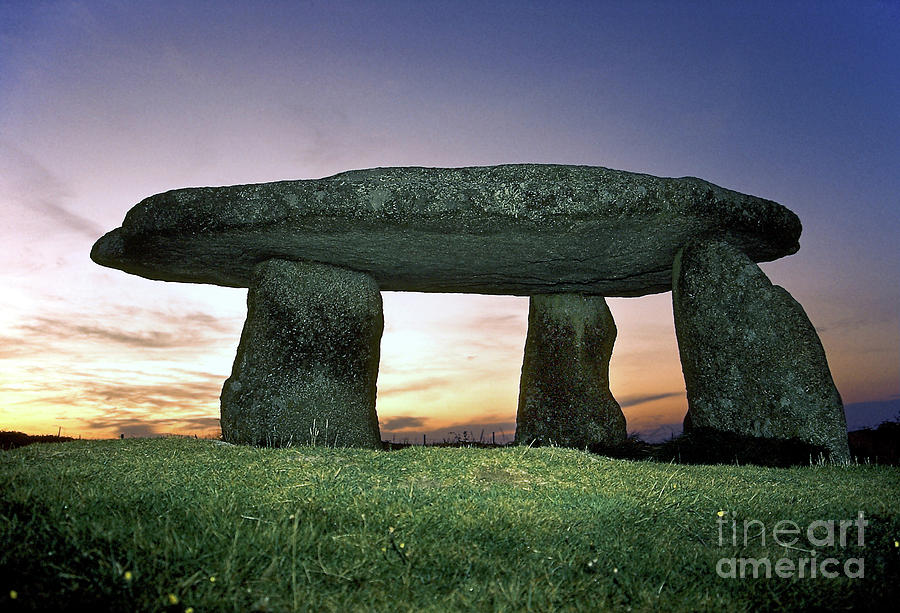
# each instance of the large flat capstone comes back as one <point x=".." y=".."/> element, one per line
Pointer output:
<point x="520" y="229"/>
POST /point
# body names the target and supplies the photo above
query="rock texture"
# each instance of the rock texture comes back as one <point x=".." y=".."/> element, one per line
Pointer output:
<point x="564" y="395"/>
<point x="307" y="362"/>
<point x="753" y="363"/>
<point x="316" y="253"/>
<point x="520" y="229"/>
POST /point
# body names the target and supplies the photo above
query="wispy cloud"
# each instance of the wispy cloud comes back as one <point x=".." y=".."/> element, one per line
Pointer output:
<point x="15" y="347"/>
<point x="31" y="186"/>
<point x="67" y="219"/>
<point x="184" y="335"/>
<point x="134" y="427"/>
<point x="95" y="401"/>
<point x="416" y="385"/>
<point x="175" y="394"/>
<point x="500" y="322"/>
<point x="113" y="398"/>
<point x="503" y="332"/>
<point x="402" y="422"/>
<point x="631" y="401"/>
<point x="129" y="327"/>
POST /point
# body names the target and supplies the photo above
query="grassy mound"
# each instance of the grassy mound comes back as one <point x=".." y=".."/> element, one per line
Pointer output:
<point x="173" y="524"/>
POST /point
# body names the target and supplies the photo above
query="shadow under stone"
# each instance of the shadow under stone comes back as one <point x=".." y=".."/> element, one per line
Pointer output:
<point x="705" y="446"/>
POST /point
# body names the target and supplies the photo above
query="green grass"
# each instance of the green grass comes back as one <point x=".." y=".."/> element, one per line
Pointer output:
<point x="123" y="525"/>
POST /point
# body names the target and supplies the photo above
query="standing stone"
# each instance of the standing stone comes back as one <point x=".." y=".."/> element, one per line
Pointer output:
<point x="307" y="362"/>
<point x="753" y="363"/>
<point x="564" y="395"/>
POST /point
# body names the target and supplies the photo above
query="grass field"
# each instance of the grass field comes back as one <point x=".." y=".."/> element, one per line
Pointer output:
<point x="182" y="524"/>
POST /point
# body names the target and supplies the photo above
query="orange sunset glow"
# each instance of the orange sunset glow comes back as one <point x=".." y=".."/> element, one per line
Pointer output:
<point x="101" y="107"/>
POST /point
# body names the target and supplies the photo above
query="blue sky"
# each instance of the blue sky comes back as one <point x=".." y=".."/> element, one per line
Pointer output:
<point x="105" y="103"/>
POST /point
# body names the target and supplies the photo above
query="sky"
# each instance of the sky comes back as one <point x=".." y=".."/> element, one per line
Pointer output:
<point x="105" y="103"/>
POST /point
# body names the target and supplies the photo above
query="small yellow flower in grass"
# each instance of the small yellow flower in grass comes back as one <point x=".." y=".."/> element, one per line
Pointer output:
<point x="720" y="513"/>
<point x="128" y="576"/>
<point x="173" y="599"/>
<point x="616" y="571"/>
<point x="189" y="610"/>
<point x="402" y="545"/>
<point x="13" y="594"/>
<point x="896" y="543"/>
<point x="391" y="529"/>
<point x="212" y="579"/>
